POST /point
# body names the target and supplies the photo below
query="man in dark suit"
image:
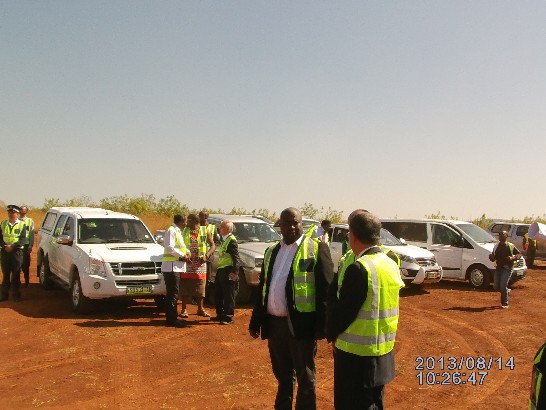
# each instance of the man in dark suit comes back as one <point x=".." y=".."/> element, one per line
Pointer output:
<point x="363" y="317"/>
<point x="290" y="309"/>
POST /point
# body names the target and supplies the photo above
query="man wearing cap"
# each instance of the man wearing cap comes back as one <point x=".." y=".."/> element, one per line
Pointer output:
<point x="27" y="248"/>
<point x="13" y="238"/>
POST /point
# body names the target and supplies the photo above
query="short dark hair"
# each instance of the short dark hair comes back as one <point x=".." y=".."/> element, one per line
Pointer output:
<point x="178" y="218"/>
<point x="192" y="217"/>
<point x="325" y="222"/>
<point x="366" y="227"/>
<point x="204" y="214"/>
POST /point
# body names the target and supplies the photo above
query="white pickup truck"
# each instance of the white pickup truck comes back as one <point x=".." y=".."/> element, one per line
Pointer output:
<point x="97" y="254"/>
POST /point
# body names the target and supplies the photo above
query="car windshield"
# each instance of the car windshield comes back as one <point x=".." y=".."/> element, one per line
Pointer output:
<point x="477" y="233"/>
<point x="96" y="230"/>
<point x="254" y="232"/>
<point x="389" y="239"/>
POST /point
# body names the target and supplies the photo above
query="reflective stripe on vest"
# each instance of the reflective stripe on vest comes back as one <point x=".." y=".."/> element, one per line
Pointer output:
<point x="210" y="228"/>
<point x="224" y="258"/>
<point x="178" y="244"/>
<point x="201" y="240"/>
<point x="303" y="283"/>
<point x="29" y="223"/>
<point x="373" y="331"/>
<point x="12" y="233"/>
<point x="536" y="380"/>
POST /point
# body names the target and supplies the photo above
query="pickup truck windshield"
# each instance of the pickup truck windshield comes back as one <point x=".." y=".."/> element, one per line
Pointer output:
<point x="389" y="239"/>
<point x="98" y="230"/>
<point x="254" y="232"/>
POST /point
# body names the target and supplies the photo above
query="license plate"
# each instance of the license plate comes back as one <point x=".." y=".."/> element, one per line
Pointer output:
<point x="433" y="275"/>
<point x="139" y="290"/>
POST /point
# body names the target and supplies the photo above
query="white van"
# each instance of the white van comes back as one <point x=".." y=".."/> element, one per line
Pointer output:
<point x="461" y="248"/>
<point x="417" y="266"/>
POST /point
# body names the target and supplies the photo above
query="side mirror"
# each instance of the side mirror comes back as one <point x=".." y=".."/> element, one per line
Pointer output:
<point x="403" y="240"/>
<point x="64" y="240"/>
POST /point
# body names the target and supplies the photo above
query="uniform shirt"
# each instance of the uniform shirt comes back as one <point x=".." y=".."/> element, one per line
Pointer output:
<point x="22" y="237"/>
<point x="276" y="302"/>
<point x="30" y="232"/>
<point x="169" y="241"/>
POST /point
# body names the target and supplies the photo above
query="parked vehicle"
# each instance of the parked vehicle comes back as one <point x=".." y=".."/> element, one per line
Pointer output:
<point x="417" y="266"/>
<point x="97" y="254"/>
<point x="516" y="232"/>
<point x="254" y="236"/>
<point x="306" y="222"/>
<point x="461" y="248"/>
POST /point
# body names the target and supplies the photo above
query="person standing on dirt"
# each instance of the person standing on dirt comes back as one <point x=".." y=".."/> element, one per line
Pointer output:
<point x="174" y="263"/>
<point x="13" y="238"/>
<point x="226" y="282"/>
<point x="362" y="318"/>
<point x="27" y="248"/>
<point x="504" y="254"/>
<point x="290" y="309"/>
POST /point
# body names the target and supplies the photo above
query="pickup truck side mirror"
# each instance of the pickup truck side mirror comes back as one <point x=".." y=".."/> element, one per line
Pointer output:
<point x="65" y="240"/>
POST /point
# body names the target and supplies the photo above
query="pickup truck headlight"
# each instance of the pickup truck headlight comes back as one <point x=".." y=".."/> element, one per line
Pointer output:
<point x="407" y="258"/>
<point x="96" y="267"/>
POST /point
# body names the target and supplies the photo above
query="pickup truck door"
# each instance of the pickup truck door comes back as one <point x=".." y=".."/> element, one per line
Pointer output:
<point x="59" y="255"/>
<point x="447" y="246"/>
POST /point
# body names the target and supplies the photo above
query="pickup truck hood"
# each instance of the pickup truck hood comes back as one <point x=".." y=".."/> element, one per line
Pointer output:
<point x="125" y="252"/>
<point x="255" y="249"/>
<point x="413" y="251"/>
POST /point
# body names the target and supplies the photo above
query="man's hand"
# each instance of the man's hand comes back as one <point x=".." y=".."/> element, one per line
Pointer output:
<point x="8" y="248"/>
<point x="254" y="333"/>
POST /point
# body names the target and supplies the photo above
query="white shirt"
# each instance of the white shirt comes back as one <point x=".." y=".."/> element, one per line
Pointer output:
<point x="276" y="302"/>
<point x="168" y="243"/>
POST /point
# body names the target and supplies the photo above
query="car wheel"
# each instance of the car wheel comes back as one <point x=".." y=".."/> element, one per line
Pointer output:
<point x="80" y="303"/>
<point x="245" y="291"/>
<point x="479" y="276"/>
<point x="44" y="275"/>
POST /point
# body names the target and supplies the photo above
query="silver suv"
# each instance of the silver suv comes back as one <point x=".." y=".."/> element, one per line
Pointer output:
<point x="254" y="236"/>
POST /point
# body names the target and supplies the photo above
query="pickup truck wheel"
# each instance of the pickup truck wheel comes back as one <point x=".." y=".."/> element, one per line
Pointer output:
<point x="44" y="275"/>
<point x="245" y="291"/>
<point x="80" y="303"/>
<point x="479" y="277"/>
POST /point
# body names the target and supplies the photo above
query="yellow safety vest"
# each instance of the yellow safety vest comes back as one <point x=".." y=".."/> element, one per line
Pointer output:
<point x="303" y="282"/>
<point x="178" y="244"/>
<point x="373" y="332"/>
<point x="201" y="240"/>
<point x="12" y="233"/>
<point x="536" y="380"/>
<point x="29" y="223"/>
<point x="224" y="258"/>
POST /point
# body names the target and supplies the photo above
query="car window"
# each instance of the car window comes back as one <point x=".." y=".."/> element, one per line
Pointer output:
<point x="500" y="227"/>
<point x="49" y="221"/>
<point x="339" y="234"/>
<point x="68" y="227"/>
<point x="60" y="226"/>
<point x="522" y="230"/>
<point x="410" y="231"/>
<point x="442" y="235"/>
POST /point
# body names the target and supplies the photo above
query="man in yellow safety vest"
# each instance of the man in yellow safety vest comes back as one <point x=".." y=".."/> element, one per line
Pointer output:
<point x="12" y="239"/>
<point x="362" y="318"/>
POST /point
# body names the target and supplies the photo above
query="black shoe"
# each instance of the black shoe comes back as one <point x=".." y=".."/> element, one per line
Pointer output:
<point x="178" y="324"/>
<point x="217" y="318"/>
<point x="227" y="322"/>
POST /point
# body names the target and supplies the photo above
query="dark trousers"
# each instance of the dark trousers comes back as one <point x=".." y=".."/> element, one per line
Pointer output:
<point x="291" y="360"/>
<point x="25" y="267"/>
<point x="172" y="284"/>
<point x="352" y="389"/>
<point x="11" y="271"/>
<point x="225" y="291"/>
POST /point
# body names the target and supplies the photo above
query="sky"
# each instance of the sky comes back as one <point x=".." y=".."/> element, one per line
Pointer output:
<point x="404" y="108"/>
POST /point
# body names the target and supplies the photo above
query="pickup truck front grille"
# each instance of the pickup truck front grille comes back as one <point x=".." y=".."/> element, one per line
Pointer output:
<point x="426" y="261"/>
<point x="135" y="268"/>
<point x="137" y="282"/>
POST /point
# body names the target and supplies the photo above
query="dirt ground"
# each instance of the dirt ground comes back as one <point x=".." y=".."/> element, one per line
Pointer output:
<point x="122" y="357"/>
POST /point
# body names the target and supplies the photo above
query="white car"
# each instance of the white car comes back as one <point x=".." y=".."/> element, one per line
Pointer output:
<point x="417" y="265"/>
<point x="97" y="254"/>
<point x="461" y="248"/>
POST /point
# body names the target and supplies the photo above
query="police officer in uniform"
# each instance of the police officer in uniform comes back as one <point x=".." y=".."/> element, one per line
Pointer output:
<point x="362" y="319"/>
<point x="290" y="309"/>
<point x="14" y="236"/>
<point x="27" y="248"/>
